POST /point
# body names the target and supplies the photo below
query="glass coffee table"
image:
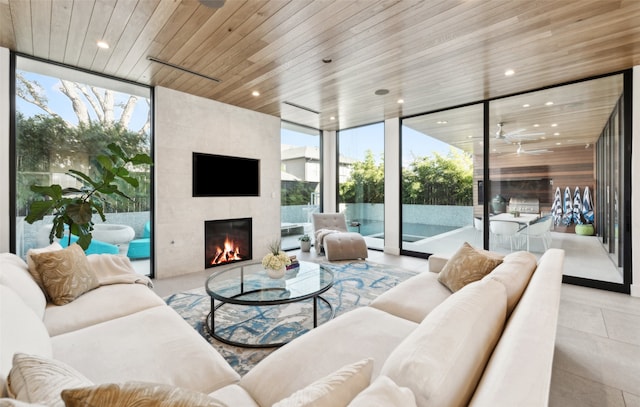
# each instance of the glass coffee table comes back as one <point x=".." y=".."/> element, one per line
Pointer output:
<point x="249" y="285"/>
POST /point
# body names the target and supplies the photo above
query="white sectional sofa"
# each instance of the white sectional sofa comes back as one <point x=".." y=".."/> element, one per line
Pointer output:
<point x="490" y="343"/>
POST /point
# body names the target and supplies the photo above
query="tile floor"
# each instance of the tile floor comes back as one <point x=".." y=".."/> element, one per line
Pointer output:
<point x="597" y="357"/>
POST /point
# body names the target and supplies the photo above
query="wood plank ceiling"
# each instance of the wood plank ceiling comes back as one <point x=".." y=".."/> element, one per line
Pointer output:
<point x="432" y="54"/>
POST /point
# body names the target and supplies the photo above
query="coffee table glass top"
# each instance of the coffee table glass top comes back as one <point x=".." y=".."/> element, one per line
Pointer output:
<point x="249" y="284"/>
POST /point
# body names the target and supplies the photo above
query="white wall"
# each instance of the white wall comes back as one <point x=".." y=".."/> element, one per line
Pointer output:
<point x="329" y="177"/>
<point x="4" y="149"/>
<point x="183" y="124"/>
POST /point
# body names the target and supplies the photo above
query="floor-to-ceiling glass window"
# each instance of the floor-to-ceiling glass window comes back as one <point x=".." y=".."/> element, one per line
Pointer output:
<point x="555" y="179"/>
<point x="300" y="182"/>
<point x="64" y="120"/>
<point x="442" y="162"/>
<point x="361" y="181"/>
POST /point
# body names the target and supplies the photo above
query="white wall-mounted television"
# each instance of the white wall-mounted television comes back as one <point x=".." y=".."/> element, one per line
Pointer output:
<point x="222" y="175"/>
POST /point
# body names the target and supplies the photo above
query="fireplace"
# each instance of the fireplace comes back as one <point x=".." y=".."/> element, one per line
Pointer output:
<point x="227" y="241"/>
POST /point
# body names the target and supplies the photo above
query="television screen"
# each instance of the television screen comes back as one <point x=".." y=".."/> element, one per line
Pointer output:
<point x="221" y="175"/>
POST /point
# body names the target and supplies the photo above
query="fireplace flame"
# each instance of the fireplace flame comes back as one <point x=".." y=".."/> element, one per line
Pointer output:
<point x="230" y="252"/>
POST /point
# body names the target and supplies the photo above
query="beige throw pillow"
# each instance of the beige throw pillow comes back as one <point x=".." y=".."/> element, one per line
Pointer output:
<point x="55" y="246"/>
<point x="65" y="273"/>
<point x="336" y="389"/>
<point x="467" y="265"/>
<point x="36" y="379"/>
<point x="137" y="394"/>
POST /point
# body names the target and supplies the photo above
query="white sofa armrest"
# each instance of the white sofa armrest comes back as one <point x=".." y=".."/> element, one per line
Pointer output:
<point x="437" y="262"/>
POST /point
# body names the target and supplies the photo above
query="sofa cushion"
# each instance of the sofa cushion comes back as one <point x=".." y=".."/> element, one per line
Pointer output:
<point x="443" y="359"/>
<point x="519" y="371"/>
<point x="32" y="266"/>
<point x="153" y="345"/>
<point x="514" y="273"/>
<point x="36" y="379"/>
<point x="413" y="298"/>
<point x="467" y="265"/>
<point x="136" y="394"/>
<point x="65" y="273"/>
<point x="14" y="273"/>
<point x="384" y="392"/>
<point x="346" y="339"/>
<point x="336" y="389"/>
<point x="21" y="330"/>
<point x="98" y="305"/>
<point x="234" y="395"/>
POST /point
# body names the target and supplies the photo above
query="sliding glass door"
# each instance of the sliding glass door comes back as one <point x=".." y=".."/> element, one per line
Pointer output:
<point x="361" y="181"/>
<point x="300" y="171"/>
<point x="442" y="162"/>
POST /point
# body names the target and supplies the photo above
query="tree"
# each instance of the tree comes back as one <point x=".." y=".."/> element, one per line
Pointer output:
<point x="365" y="183"/>
<point x="82" y="97"/>
<point x="439" y="180"/>
<point x="47" y="144"/>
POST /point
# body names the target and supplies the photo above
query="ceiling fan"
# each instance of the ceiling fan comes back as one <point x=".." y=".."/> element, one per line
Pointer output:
<point x="520" y="150"/>
<point x="515" y="135"/>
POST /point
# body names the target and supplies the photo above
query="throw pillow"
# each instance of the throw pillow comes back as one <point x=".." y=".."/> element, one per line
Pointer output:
<point x="467" y="265"/>
<point x="336" y="389"/>
<point x="384" y="392"/>
<point x="137" y="394"/>
<point x="32" y="266"/>
<point x="65" y="273"/>
<point x="36" y="379"/>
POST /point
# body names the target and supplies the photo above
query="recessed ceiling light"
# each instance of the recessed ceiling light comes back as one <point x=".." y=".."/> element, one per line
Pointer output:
<point x="332" y="118"/>
<point x="442" y="122"/>
<point x="509" y="72"/>
<point x="327" y="60"/>
<point x="554" y="124"/>
<point x="536" y="125"/>
<point x="255" y="93"/>
<point x="556" y="134"/>
<point x="102" y="44"/>
<point x="549" y="103"/>
<point x="381" y="92"/>
<point x="400" y="101"/>
<point x="526" y="105"/>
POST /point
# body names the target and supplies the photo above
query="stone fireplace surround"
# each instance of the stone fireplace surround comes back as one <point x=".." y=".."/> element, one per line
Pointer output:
<point x="186" y="123"/>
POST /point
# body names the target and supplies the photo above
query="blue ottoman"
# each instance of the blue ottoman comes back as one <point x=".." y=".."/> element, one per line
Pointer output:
<point x="139" y="248"/>
<point x="95" y="247"/>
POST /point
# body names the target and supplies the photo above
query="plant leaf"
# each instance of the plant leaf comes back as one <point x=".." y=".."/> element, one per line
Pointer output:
<point x="141" y="159"/>
<point x="39" y="209"/>
<point x="54" y="191"/>
<point x="80" y="212"/>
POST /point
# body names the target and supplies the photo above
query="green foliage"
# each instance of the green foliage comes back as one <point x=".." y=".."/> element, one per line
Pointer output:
<point x="296" y="192"/>
<point x="366" y="182"/>
<point x="75" y="207"/>
<point x="432" y="180"/>
<point x="439" y="180"/>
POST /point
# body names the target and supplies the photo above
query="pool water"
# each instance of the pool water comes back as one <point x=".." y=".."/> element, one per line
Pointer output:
<point x="411" y="232"/>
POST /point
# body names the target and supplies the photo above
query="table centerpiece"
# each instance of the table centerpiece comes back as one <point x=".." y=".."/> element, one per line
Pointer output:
<point x="276" y="261"/>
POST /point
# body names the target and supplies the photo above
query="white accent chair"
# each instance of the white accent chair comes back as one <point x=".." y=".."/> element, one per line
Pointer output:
<point x="333" y="238"/>
<point x="540" y="229"/>
<point x="503" y="230"/>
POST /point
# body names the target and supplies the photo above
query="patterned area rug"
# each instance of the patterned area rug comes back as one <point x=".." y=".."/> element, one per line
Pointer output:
<point x="356" y="284"/>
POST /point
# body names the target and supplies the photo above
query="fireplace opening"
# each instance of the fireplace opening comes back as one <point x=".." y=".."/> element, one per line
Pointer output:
<point x="227" y="241"/>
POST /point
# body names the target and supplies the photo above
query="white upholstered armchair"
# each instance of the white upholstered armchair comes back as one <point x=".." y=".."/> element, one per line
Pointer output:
<point x="333" y="238"/>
